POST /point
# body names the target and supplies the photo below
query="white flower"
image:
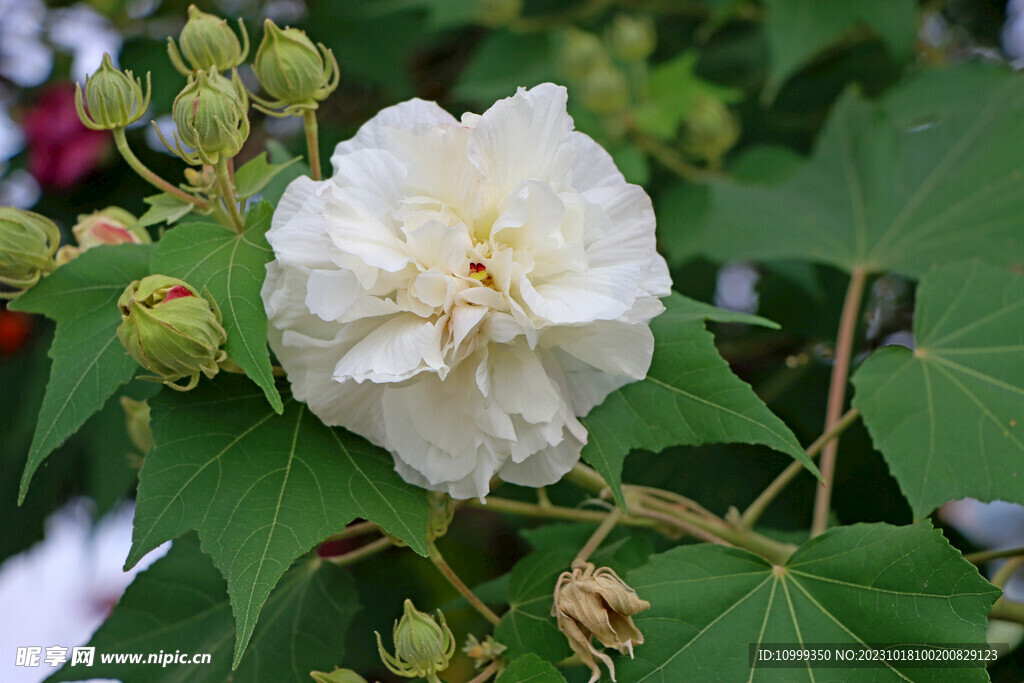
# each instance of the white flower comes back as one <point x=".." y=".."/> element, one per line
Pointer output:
<point x="460" y="292"/>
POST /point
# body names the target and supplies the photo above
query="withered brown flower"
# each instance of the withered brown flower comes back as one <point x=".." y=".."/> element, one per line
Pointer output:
<point x="590" y="603"/>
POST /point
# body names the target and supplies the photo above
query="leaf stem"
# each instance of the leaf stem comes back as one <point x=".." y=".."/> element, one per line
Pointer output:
<point x="227" y="193"/>
<point x="360" y="553"/>
<point x="601" y="533"/>
<point x="312" y="143"/>
<point x="752" y="513"/>
<point x="1007" y="610"/>
<point x="352" y="530"/>
<point x="837" y="396"/>
<point x="1001" y="577"/>
<point x="669" y="158"/>
<point x="984" y="556"/>
<point x="491" y="669"/>
<point x="516" y="507"/>
<point x="149" y="176"/>
<point x="456" y="582"/>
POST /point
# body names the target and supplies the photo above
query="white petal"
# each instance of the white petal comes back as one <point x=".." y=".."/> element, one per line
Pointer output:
<point x="375" y="133"/>
<point x="329" y="293"/>
<point x="518" y="138"/>
<point x="395" y="351"/>
<point x="546" y="466"/>
<point x="521" y="386"/>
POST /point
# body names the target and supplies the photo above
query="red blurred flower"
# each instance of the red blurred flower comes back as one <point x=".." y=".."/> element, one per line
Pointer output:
<point x="61" y="151"/>
<point x="15" y="329"/>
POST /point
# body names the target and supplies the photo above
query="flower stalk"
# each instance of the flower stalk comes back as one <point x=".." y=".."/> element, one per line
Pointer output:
<point x="149" y="176"/>
<point x="361" y="553"/>
<point x="837" y="396"/>
<point x="312" y="143"/>
<point x="457" y="584"/>
<point x="227" y="193"/>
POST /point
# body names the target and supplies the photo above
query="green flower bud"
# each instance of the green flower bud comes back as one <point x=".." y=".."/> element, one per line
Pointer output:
<point x="207" y="42"/>
<point x="136" y="414"/>
<point x="114" y="98"/>
<point x="293" y="70"/>
<point x="112" y="225"/>
<point x="422" y="646"/>
<point x="337" y="676"/>
<point x="710" y="129"/>
<point x="580" y="53"/>
<point x="494" y="13"/>
<point x="605" y="90"/>
<point x="632" y="37"/>
<point x="171" y="330"/>
<point x="28" y="243"/>
<point x="212" y="117"/>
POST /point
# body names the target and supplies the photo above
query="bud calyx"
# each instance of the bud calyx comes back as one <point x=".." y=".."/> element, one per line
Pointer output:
<point x="28" y="243"/>
<point x="114" y="98"/>
<point x="422" y="646"/>
<point x="294" y="71"/>
<point x="207" y="42"/>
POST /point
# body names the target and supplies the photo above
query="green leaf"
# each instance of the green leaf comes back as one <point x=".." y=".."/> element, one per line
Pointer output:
<point x="948" y="417"/>
<point x="690" y="397"/>
<point x="231" y="268"/>
<point x="530" y="669"/>
<point x="504" y="61"/>
<point x="672" y="89"/>
<point x="800" y="29"/>
<point x="256" y="173"/>
<point x="528" y="627"/>
<point x="930" y="175"/>
<point x="89" y="363"/>
<point x="180" y="603"/>
<point x="261" y="488"/>
<point x="164" y="208"/>
<point x="279" y="154"/>
<point x="866" y="583"/>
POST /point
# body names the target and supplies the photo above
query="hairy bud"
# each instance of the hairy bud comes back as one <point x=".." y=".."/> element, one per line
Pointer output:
<point x="422" y="646"/>
<point x="207" y="42"/>
<point x="112" y="225"/>
<point x="212" y="117"/>
<point x="171" y="330"/>
<point x="591" y="603"/>
<point x="605" y="90"/>
<point x="710" y="129"/>
<point x="292" y="69"/>
<point x="28" y="243"/>
<point x="580" y="53"/>
<point x="631" y="37"/>
<point x="114" y="98"/>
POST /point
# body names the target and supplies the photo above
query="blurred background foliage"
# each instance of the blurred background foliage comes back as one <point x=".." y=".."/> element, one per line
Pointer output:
<point x="681" y="92"/>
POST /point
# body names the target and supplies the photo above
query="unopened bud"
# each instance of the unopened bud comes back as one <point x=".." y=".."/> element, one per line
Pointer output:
<point x="580" y="53"/>
<point x="632" y="37"/>
<point x="710" y="129"/>
<point x="171" y="330"/>
<point x="112" y="225"/>
<point x="136" y="414"/>
<point x="494" y="13"/>
<point x="589" y="604"/>
<point x="211" y="115"/>
<point x="207" y="42"/>
<point x="28" y="243"/>
<point x="422" y="646"/>
<point x="294" y="71"/>
<point x="114" y="98"/>
<point x="605" y="90"/>
<point x="337" y="676"/>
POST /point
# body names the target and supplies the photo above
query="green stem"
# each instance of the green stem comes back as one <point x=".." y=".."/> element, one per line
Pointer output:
<point x="669" y="158"/>
<point x="149" y="176"/>
<point x="983" y="556"/>
<point x="491" y="669"/>
<point x="312" y="143"/>
<point x="837" y="396"/>
<point x="752" y="513"/>
<point x="365" y="551"/>
<point x="598" y="536"/>
<point x="351" y="531"/>
<point x="1006" y="610"/>
<point x="227" y="193"/>
<point x="516" y="507"/>
<point x="456" y="582"/>
<point x="1001" y="577"/>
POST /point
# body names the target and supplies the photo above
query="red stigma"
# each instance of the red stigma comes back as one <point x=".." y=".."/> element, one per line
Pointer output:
<point x="477" y="267"/>
<point x="177" y="292"/>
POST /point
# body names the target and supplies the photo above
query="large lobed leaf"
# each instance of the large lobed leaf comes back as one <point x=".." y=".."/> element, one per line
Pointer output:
<point x="867" y="583"/>
<point x="231" y="267"/>
<point x="530" y="669"/>
<point x="690" y="397"/>
<point x="89" y="363"/>
<point x="949" y="416"/>
<point x="181" y="604"/>
<point x="929" y="175"/>
<point x="800" y="29"/>
<point x="261" y="488"/>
